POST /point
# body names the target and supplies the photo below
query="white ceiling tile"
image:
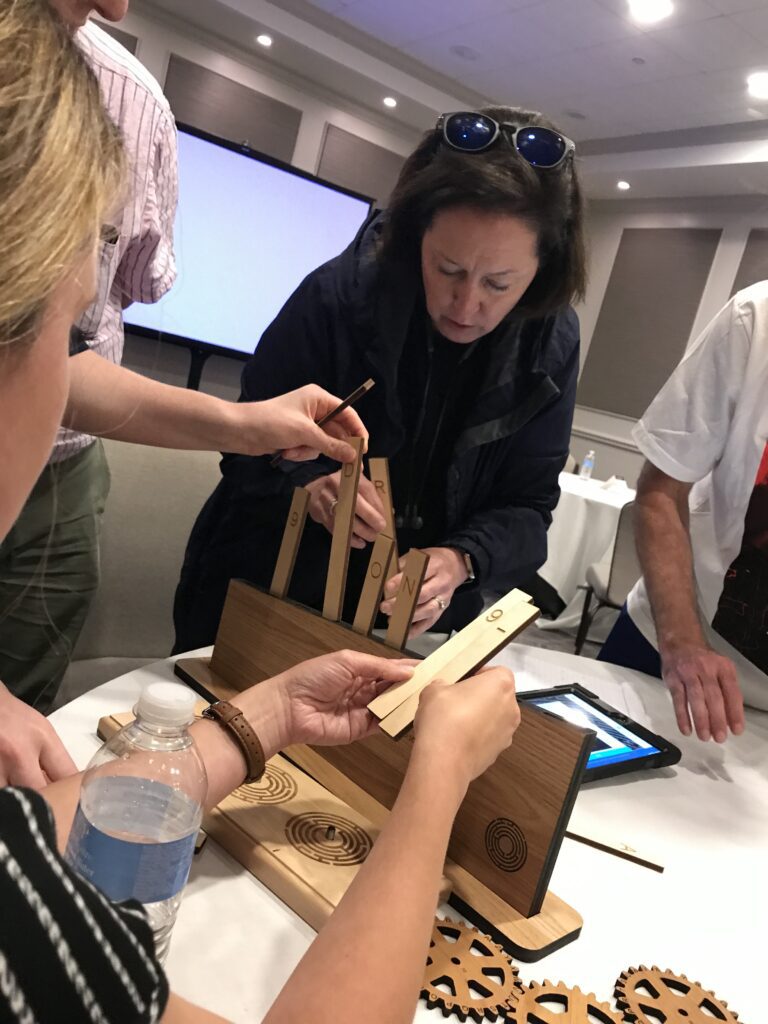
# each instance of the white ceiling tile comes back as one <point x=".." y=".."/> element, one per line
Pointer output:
<point x="570" y="25"/>
<point x="618" y="63"/>
<point x="402" y="21"/>
<point x="754" y="23"/>
<point x="712" y="44"/>
<point x="499" y="41"/>
<point x="685" y="11"/>
<point x="732" y="6"/>
<point x="535" y="78"/>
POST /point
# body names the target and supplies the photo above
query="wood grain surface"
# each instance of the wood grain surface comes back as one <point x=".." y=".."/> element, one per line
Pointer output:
<point x="414" y="571"/>
<point x="289" y="546"/>
<point x="343" y="521"/>
<point x="373" y="585"/>
<point x="379" y="472"/>
<point x="525" y="798"/>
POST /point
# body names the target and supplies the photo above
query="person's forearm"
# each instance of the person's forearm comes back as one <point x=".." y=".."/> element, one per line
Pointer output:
<point x="664" y="550"/>
<point x="222" y="755"/>
<point x="372" y="952"/>
<point x="111" y="401"/>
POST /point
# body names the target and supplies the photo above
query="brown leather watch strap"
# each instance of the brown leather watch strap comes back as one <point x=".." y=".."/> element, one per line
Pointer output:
<point x="232" y="718"/>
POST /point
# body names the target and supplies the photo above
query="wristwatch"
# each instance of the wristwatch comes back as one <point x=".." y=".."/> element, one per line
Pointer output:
<point x="469" y="565"/>
<point x="233" y="719"/>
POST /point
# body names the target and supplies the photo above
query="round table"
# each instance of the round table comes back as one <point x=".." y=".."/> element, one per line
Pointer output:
<point x="706" y="821"/>
<point x="583" y="531"/>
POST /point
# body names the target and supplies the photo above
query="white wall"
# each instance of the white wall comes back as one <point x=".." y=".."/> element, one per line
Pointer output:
<point x="608" y="434"/>
<point x="159" y="39"/>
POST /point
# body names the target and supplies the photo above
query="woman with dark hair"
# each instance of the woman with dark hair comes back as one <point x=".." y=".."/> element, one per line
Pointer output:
<point x="455" y="300"/>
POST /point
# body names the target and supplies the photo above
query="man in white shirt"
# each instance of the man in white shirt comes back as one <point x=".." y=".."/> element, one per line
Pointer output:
<point x="698" y="617"/>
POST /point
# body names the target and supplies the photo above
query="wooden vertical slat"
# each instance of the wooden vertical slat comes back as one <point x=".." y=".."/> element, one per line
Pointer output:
<point x="344" y="518"/>
<point x="289" y="546"/>
<point x="375" y="578"/>
<point x="379" y="470"/>
<point x="407" y="598"/>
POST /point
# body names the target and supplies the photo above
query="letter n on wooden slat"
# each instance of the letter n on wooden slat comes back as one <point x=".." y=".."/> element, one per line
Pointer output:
<point x="407" y="598"/>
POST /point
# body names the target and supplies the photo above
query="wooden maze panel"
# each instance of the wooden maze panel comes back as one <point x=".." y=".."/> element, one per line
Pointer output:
<point x="510" y="826"/>
<point x="276" y="635"/>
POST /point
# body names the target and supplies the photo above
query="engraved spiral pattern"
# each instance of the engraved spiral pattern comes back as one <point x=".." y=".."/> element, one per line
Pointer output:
<point x="328" y="838"/>
<point x="274" y="787"/>
<point x="506" y="844"/>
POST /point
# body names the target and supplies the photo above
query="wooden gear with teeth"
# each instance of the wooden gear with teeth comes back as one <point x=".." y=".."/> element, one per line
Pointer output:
<point x="652" y="996"/>
<point x="545" y="1003"/>
<point x="467" y="974"/>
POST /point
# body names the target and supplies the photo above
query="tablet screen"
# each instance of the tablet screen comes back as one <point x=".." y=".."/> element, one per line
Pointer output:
<point x="613" y="743"/>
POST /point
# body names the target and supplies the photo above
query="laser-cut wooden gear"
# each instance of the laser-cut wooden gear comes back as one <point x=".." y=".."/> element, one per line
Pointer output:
<point x="529" y="1006"/>
<point x="648" y="995"/>
<point x="480" y="974"/>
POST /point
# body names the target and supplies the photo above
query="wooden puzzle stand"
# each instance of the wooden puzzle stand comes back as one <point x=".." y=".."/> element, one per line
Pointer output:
<point x="509" y="829"/>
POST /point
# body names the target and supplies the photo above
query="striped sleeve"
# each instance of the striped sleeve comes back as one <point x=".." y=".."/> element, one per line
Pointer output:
<point x="148" y="266"/>
<point x="66" y="952"/>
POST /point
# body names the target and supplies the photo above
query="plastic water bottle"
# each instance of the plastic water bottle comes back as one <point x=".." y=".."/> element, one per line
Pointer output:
<point x="140" y="809"/>
<point x="587" y="465"/>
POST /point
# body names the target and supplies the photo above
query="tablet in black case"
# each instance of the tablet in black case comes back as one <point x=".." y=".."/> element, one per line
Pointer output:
<point x="620" y="745"/>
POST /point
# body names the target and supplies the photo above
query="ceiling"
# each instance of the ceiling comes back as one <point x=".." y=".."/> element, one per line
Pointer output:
<point x="583" y="55"/>
<point x="599" y="75"/>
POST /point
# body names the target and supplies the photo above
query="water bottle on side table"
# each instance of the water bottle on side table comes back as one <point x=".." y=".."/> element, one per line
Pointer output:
<point x="140" y="809"/>
<point x="587" y="465"/>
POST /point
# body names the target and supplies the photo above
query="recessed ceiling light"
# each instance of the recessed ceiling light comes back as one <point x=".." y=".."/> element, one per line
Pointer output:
<point x="757" y="85"/>
<point x="648" y="11"/>
<point x="264" y="39"/>
<point x="623" y="186"/>
<point x="390" y="101"/>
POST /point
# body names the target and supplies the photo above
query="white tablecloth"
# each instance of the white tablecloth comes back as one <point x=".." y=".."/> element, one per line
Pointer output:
<point x="583" y="531"/>
<point x="707" y="819"/>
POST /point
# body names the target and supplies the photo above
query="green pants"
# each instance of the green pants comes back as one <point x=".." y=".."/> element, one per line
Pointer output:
<point x="49" y="572"/>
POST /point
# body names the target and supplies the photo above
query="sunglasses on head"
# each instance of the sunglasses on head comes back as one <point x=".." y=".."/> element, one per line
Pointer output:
<point x="473" y="133"/>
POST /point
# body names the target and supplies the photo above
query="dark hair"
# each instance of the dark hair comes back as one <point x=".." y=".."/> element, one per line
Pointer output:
<point x="436" y="177"/>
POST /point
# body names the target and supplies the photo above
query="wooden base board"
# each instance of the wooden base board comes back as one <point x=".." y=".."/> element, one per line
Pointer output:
<point x="526" y="938"/>
<point x="297" y="838"/>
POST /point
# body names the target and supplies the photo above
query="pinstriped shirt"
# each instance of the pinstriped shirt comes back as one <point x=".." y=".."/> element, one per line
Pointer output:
<point x="137" y="263"/>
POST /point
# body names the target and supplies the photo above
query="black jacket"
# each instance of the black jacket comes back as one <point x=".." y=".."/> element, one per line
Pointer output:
<point x="349" y="321"/>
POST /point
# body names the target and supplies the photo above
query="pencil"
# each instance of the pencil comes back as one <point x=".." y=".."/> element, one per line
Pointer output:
<point x="349" y="400"/>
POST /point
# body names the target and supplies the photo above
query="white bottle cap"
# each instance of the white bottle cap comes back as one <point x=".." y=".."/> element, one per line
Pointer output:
<point x="167" y="704"/>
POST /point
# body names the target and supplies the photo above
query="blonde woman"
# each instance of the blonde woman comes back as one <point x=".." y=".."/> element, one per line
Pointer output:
<point x="66" y="953"/>
<point x="49" y="570"/>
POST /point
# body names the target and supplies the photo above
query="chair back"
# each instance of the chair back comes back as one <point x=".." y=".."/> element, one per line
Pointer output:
<point x="625" y="565"/>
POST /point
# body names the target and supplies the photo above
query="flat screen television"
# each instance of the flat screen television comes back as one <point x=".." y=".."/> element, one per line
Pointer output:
<point x="248" y="230"/>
